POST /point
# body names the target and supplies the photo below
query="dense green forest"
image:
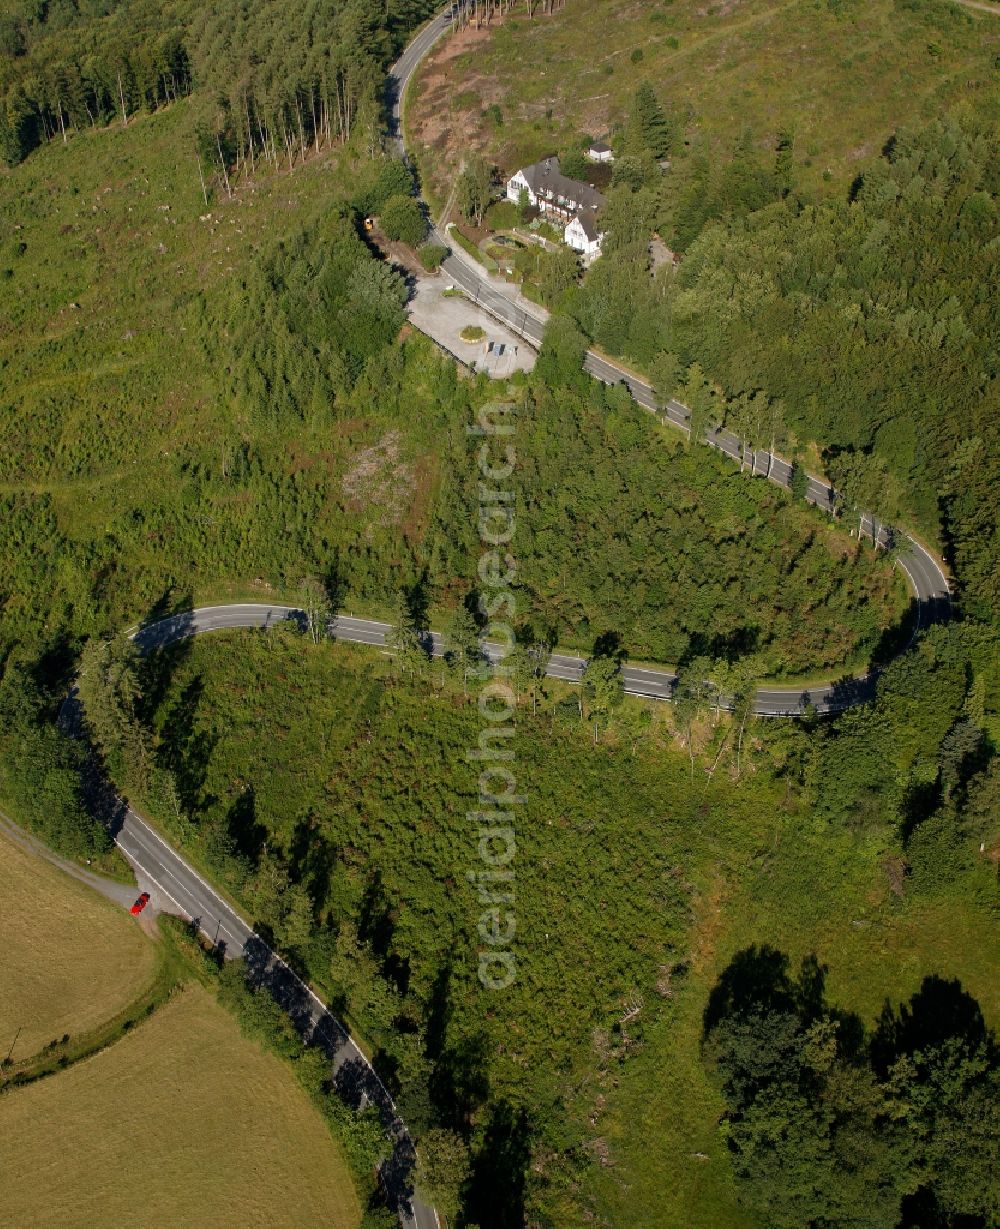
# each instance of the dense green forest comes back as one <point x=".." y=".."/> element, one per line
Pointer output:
<point x="866" y="327"/>
<point x="282" y="81"/>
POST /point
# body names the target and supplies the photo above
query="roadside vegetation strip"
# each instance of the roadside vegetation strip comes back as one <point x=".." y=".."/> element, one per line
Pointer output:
<point x="183" y="1122"/>
<point x="73" y="964"/>
<point x="480" y="257"/>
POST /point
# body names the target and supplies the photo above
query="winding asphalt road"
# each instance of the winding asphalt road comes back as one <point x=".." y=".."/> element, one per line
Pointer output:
<point x="924" y="573"/>
<point x="175" y="886"/>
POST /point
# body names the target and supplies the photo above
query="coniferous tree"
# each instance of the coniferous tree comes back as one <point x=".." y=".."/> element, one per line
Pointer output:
<point x="648" y="129"/>
<point x="403" y="640"/>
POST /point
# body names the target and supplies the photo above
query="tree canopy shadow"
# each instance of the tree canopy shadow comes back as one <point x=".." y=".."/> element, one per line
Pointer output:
<point x="894" y="639"/>
<point x="377" y="928"/>
<point x="459" y="1082"/>
<point x="164" y="642"/>
<point x="439" y="1011"/>
<point x="756" y="979"/>
<point x="336" y="583"/>
<point x="496" y="1188"/>
<point x="759" y="981"/>
<point x="609" y="644"/>
<point x="418" y="598"/>
<point x="53" y="668"/>
<point x="847" y="691"/>
<point x="188" y="752"/>
<point x="247" y="835"/>
<point x="376" y="922"/>
<point x="941" y="1011"/>
<point x="313" y="857"/>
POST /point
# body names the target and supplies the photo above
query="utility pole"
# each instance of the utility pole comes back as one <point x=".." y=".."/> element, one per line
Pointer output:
<point x="13" y="1044"/>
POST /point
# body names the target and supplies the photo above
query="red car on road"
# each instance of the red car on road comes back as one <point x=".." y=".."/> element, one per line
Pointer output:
<point x="141" y="903"/>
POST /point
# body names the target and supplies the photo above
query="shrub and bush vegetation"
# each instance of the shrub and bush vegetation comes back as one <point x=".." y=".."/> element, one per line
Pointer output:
<point x="213" y="399"/>
<point x="403" y="219"/>
<point x="340" y="832"/>
<point x="432" y="256"/>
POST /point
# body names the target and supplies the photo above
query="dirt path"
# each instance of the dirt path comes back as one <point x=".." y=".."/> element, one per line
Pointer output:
<point x="121" y="893"/>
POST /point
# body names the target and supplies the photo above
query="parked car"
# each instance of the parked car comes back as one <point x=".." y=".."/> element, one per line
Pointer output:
<point x="141" y="903"/>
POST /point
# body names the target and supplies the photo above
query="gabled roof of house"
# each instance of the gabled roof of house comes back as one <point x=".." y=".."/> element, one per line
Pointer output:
<point x="588" y="221"/>
<point x="600" y="147"/>
<point x="545" y="179"/>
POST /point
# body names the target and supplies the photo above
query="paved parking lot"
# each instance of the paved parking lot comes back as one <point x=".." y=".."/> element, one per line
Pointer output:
<point x="442" y="317"/>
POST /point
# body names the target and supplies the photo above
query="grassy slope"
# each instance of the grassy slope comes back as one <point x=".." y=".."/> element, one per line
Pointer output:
<point x="183" y="1122"/>
<point x="71" y="959"/>
<point x="602" y="827"/>
<point x="803" y="892"/>
<point x="108" y="401"/>
<point x="844" y="73"/>
<point x="89" y="216"/>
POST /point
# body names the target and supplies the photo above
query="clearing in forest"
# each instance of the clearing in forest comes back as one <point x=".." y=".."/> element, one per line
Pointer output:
<point x="841" y="75"/>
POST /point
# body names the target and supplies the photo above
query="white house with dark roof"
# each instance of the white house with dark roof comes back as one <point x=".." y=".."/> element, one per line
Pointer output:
<point x="556" y="196"/>
<point x="550" y="191"/>
<point x="583" y="234"/>
<point x="600" y="151"/>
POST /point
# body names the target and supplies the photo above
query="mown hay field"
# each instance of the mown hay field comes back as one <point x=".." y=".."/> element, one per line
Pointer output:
<point x="71" y="959"/>
<point x="184" y="1122"/>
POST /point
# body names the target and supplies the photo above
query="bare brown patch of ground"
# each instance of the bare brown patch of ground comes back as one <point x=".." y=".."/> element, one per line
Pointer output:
<point x="722" y="9"/>
<point x="708" y="923"/>
<point x="430" y="117"/>
<point x="417" y="514"/>
<point x="379" y="480"/>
